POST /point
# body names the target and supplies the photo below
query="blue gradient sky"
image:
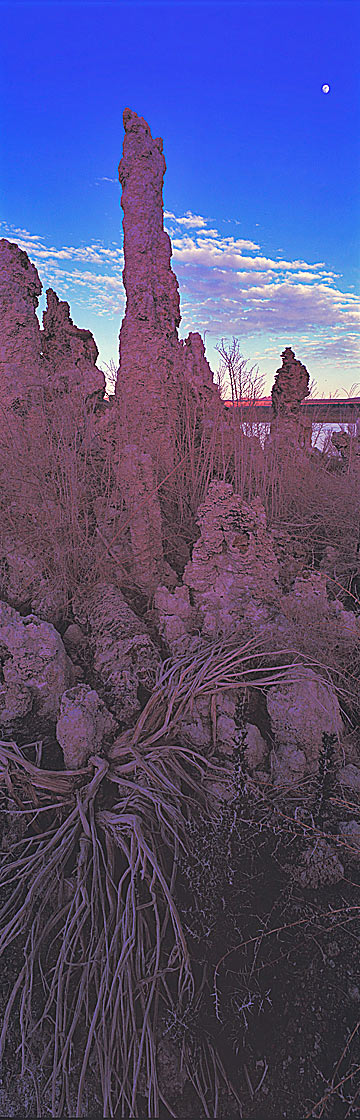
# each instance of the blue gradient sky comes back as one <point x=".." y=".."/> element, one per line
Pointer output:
<point x="262" y="187"/>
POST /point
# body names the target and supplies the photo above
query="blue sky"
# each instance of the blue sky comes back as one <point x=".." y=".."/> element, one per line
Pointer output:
<point x="261" y="193"/>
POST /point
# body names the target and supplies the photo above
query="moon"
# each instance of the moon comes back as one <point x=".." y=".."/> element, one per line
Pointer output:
<point x="325" y="88"/>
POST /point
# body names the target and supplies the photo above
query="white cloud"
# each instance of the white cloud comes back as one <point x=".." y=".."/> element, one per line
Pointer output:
<point x="227" y="285"/>
<point x="93" y="254"/>
<point x="190" y="220"/>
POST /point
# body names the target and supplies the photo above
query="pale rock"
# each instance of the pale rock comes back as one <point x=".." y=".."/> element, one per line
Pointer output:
<point x="256" y="749"/>
<point x="23" y="585"/>
<point x="148" y="336"/>
<point x="125" y="659"/>
<point x="84" y="726"/>
<point x="311" y="623"/>
<point x="146" y="389"/>
<point x="154" y="364"/>
<point x="350" y="778"/>
<point x="194" y="371"/>
<point x="225" y="729"/>
<point x="141" y="498"/>
<point x="20" y="344"/>
<point x="34" y="663"/>
<point x="157" y="371"/>
<point x="195" y="727"/>
<point x="288" y="766"/>
<point x="16" y="703"/>
<point x="308" y="602"/>
<point x="70" y="353"/>
<point x="75" y="641"/>
<point x="318" y="866"/>
<point x="47" y="600"/>
<point x="301" y="711"/>
<point x="18" y="572"/>
<point x="175" y="618"/>
<point x="350" y="832"/>
<point x="230" y="583"/>
<point x="290" y="424"/>
<point x="310" y="589"/>
<point x="348" y="447"/>
<point x="233" y="571"/>
<point x="204" y="728"/>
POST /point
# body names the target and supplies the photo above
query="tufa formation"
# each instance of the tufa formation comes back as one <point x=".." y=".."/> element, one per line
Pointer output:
<point x="290" y="387"/>
<point x="20" y="343"/>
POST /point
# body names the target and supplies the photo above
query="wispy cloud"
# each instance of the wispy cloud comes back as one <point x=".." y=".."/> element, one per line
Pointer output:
<point x="228" y="286"/>
<point x="190" y="220"/>
<point x="105" y="179"/>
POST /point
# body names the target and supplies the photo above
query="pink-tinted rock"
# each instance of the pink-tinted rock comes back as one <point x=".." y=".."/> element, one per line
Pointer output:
<point x="288" y="765"/>
<point x="33" y="662"/>
<point x="145" y="527"/>
<point x="311" y="623"/>
<point x="70" y="352"/>
<point x="229" y="585"/>
<point x="84" y="726"/>
<point x="20" y="344"/>
<point x="256" y="749"/>
<point x="350" y="832"/>
<point x="233" y="571"/>
<point x="301" y="711"/>
<point x="196" y="372"/>
<point x="16" y="703"/>
<point x="156" y="370"/>
<point x="125" y="658"/>
<point x="318" y="866"/>
<point x="148" y="336"/>
<point x="349" y="448"/>
<point x="349" y="777"/>
<point x="75" y="641"/>
<point x="23" y="584"/>
<point x="290" y="387"/>
<point x="231" y="581"/>
<point x="176" y="618"/>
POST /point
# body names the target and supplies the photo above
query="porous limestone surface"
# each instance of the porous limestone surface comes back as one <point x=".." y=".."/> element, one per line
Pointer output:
<point x="84" y="725"/>
<point x="148" y="336"/>
<point x="291" y="384"/>
<point x="70" y="352"/>
<point x="349" y="777"/>
<point x="20" y="344"/>
<point x="176" y="618"/>
<point x="290" y="387"/>
<point x="256" y="749"/>
<point x="233" y="572"/>
<point x="22" y="583"/>
<point x="75" y="641"/>
<point x="157" y="371"/>
<point x="317" y="627"/>
<point x="35" y="669"/>
<point x="318" y="866"/>
<point x="125" y="658"/>
<point x="348" y="447"/>
<point x="350" y="832"/>
<point x="141" y="498"/>
<point x="288" y="766"/>
<point x="301" y="711"/>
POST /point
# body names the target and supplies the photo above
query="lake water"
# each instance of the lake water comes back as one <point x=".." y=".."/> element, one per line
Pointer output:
<point x="319" y="432"/>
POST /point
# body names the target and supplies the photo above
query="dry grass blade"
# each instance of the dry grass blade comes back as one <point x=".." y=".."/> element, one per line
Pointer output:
<point x="207" y="671"/>
<point x="90" y="899"/>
